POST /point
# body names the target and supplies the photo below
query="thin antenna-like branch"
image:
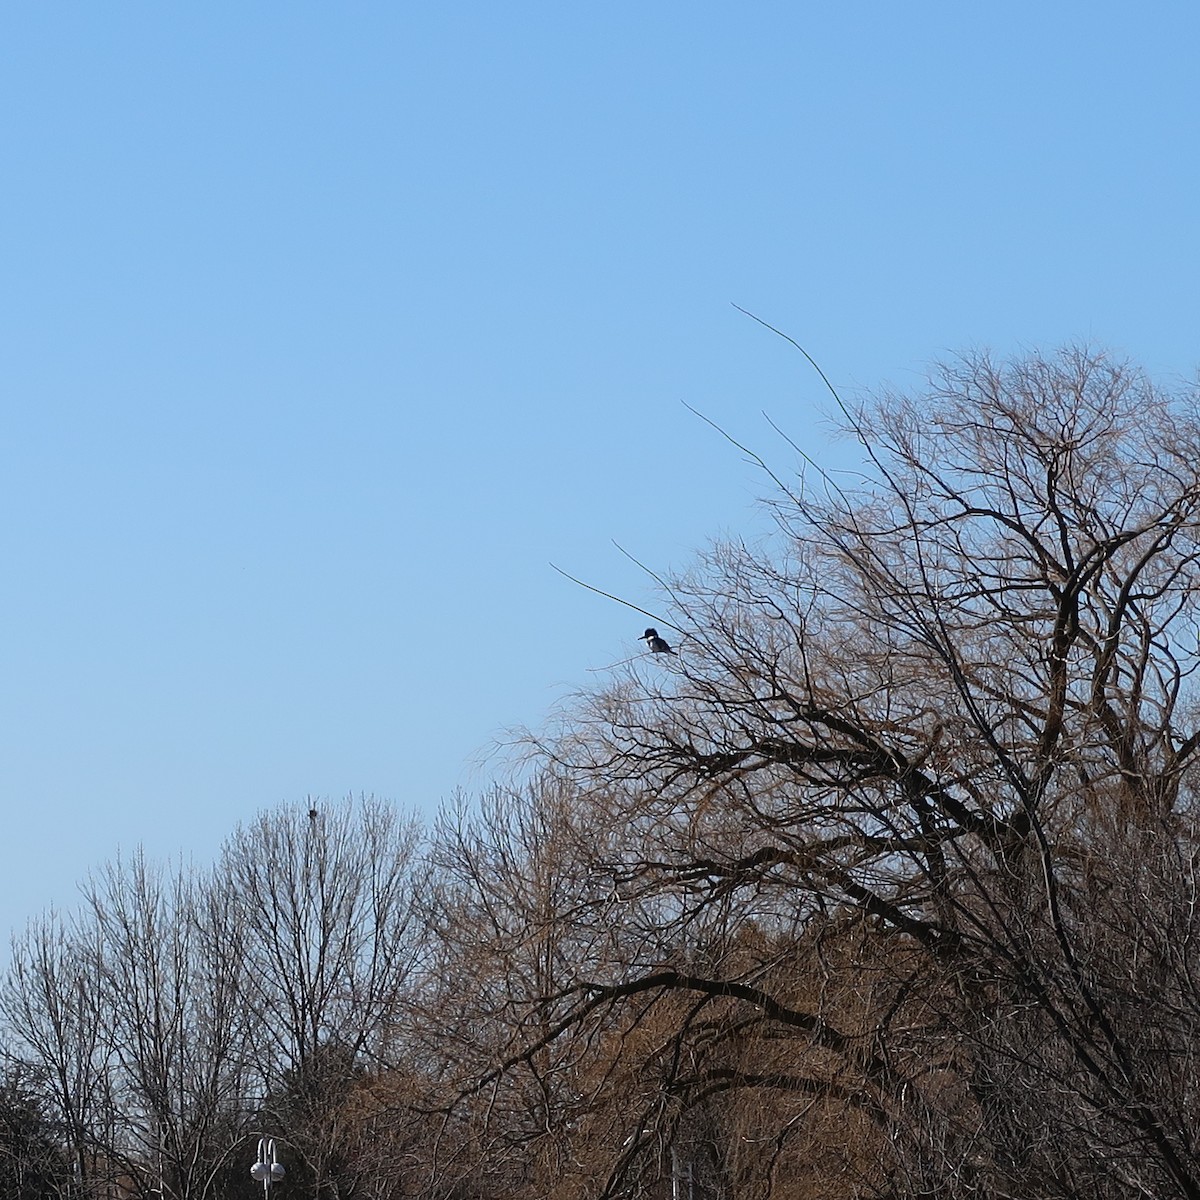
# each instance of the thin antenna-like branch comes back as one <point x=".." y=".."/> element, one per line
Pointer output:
<point x="832" y="484"/>
<point x="812" y="361"/>
<point x="864" y="441"/>
<point x="615" y="666"/>
<point x="662" y="583"/>
<point x="756" y="459"/>
<point x="610" y="596"/>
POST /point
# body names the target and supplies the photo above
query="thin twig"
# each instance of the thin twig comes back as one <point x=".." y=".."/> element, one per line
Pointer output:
<point x="610" y="596"/>
<point x="756" y="459"/>
<point x="813" y="362"/>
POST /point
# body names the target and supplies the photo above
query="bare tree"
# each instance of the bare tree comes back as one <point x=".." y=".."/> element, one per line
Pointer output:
<point x="946" y="727"/>
<point x="169" y="982"/>
<point x="54" y="1018"/>
<point x="179" y="1015"/>
<point x="325" y="899"/>
<point x="508" y="884"/>
<point x="33" y="1164"/>
<point x="126" y="1023"/>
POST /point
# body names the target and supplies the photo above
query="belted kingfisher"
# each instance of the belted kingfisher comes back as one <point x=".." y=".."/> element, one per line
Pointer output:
<point x="654" y="643"/>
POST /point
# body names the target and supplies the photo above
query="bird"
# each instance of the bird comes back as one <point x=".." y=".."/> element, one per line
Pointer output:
<point x="655" y="644"/>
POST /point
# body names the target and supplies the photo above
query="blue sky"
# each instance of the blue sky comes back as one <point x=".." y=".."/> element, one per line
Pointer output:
<point x="324" y="329"/>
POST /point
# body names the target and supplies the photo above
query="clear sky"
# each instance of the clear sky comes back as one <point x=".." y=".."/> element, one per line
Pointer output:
<point x="325" y="328"/>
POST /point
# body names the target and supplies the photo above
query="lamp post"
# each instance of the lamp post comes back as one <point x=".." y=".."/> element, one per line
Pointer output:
<point x="267" y="1170"/>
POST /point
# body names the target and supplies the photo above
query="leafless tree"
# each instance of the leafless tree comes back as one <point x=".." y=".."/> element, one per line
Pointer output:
<point x="33" y="1164"/>
<point x="127" y="1019"/>
<point x="509" y="881"/>
<point x="56" y="1032"/>
<point x="168" y="983"/>
<point x="180" y="1014"/>
<point x="915" y="801"/>
<point x="325" y="902"/>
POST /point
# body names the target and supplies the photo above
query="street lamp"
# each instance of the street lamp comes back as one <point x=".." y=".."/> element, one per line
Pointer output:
<point x="268" y="1169"/>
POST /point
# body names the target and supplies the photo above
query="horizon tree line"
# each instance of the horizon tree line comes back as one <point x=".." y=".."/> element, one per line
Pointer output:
<point x="883" y="884"/>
